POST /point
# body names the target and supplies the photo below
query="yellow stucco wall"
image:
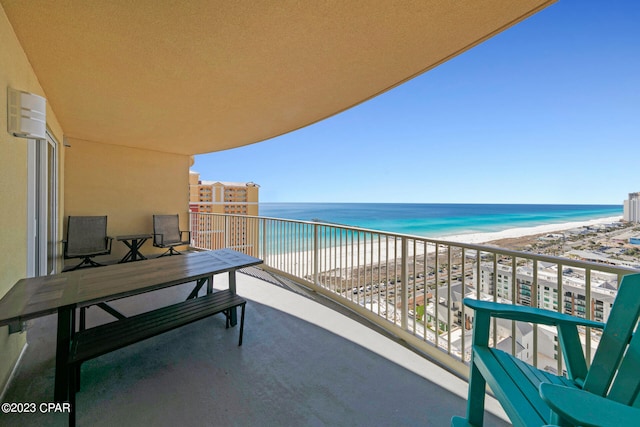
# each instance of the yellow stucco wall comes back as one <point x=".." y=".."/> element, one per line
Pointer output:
<point x="128" y="185"/>
<point x="15" y="72"/>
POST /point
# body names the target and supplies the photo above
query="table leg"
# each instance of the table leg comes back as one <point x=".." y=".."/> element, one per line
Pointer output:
<point x="134" y="253"/>
<point x="129" y="255"/>
<point x="210" y="285"/>
<point x="137" y="244"/>
<point x="196" y="289"/>
<point x="63" y="343"/>
<point x="232" y="287"/>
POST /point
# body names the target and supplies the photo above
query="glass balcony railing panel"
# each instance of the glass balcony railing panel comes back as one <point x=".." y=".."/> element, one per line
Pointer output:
<point x="415" y="286"/>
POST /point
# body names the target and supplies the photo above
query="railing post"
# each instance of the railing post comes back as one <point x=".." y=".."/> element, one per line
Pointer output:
<point x="191" y="230"/>
<point x="226" y="231"/>
<point x="263" y="249"/>
<point x="316" y="255"/>
<point x="404" y="287"/>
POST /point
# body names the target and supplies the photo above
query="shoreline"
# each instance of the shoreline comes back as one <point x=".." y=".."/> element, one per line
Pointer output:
<point x="374" y="251"/>
<point x="518" y="232"/>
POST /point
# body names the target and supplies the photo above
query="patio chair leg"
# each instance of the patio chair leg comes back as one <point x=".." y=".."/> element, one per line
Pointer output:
<point x="95" y="264"/>
<point x="173" y="251"/>
<point x="170" y="252"/>
<point x="85" y="262"/>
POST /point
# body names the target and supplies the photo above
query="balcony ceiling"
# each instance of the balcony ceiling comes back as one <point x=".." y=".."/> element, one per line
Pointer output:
<point x="207" y="75"/>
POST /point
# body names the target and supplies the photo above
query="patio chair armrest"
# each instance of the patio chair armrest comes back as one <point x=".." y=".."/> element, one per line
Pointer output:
<point x="528" y="314"/>
<point x="109" y="239"/>
<point x="159" y="241"/>
<point x="188" y="236"/>
<point x="587" y="409"/>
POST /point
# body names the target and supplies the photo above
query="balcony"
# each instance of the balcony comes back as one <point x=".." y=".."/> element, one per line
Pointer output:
<point x="412" y="286"/>
<point x="128" y="134"/>
<point x="344" y="326"/>
<point x="304" y="361"/>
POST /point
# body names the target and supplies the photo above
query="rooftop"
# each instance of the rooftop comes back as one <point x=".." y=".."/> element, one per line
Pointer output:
<point x="304" y="361"/>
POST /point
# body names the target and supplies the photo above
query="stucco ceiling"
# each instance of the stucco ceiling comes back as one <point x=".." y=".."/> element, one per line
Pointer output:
<point x="197" y="76"/>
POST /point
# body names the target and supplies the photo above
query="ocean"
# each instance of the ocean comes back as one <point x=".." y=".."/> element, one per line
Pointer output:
<point x="438" y="219"/>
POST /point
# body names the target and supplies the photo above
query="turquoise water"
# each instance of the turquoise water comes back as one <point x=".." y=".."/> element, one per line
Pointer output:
<point x="435" y="219"/>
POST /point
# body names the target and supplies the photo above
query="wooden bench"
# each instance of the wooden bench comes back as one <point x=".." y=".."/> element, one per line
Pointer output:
<point x="604" y="394"/>
<point x="94" y="342"/>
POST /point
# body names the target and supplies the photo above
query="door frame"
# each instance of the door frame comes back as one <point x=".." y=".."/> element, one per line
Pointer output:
<point x="42" y="205"/>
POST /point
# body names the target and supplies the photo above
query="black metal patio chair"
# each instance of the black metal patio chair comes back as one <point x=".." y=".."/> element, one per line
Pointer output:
<point x="167" y="234"/>
<point x="86" y="238"/>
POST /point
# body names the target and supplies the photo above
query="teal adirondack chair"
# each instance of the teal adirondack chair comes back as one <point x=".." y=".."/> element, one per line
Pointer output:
<point x="605" y="394"/>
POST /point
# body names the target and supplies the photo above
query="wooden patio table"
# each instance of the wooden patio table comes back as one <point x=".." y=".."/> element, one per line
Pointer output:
<point x="64" y="292"/>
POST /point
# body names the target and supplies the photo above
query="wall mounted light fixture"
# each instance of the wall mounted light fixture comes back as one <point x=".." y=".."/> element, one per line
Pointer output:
<point x="27" y="114"/>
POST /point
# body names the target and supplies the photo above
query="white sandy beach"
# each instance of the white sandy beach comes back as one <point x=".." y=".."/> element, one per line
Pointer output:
<point x="381" y="250"/>
<point x="526" y="231"/>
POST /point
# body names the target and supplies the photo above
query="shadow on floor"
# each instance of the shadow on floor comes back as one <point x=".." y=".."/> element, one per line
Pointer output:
<point x="288" y="372"/>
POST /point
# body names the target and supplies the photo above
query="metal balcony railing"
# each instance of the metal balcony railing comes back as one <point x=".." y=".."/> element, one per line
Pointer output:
<point x="413" y="286"/>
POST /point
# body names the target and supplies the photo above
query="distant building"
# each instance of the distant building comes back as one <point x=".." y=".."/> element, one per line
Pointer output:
<point x="631" y="211"/>
<point x="238" y="198"/>
<point x="220" y="197"/>
<point x="573" y="298"/>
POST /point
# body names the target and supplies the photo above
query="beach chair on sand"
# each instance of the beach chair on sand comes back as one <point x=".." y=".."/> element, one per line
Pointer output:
<point x="604" y="394"/>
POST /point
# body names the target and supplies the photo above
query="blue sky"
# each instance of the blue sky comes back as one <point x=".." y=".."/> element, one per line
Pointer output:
<point x="545" y="112"/>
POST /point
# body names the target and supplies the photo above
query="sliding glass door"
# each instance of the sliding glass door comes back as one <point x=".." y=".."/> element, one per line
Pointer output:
<point x="42" y="207"/>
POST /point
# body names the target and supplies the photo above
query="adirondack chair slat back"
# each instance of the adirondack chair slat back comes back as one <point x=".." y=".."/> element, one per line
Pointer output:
<point x="627" y="383"/>
<point x="614" y="345"/>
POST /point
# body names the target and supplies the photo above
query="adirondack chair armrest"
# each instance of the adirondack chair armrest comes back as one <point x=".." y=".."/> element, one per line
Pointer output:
<point x="528" y="314"/>
<point x="587" y="409"/>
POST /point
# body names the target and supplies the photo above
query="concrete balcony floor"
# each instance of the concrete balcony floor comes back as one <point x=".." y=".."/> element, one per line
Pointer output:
<point x="301" y="364"/>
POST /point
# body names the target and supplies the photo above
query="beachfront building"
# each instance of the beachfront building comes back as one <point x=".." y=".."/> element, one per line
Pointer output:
<point x="232" y="198"/>
<point x="574" y="299"/>
<point x="238" y="198"/>
<point x="631" y="211"/>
